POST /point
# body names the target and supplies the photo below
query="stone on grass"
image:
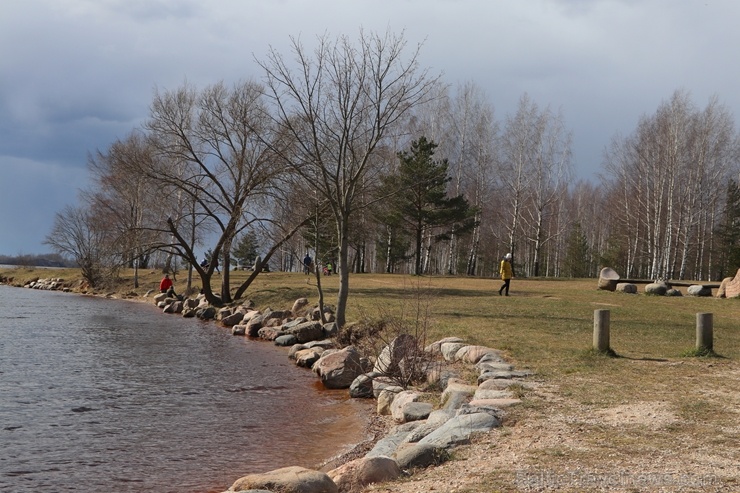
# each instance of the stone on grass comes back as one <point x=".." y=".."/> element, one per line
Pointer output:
<point x="656" y="288"/>
<point x="627" y="287"/>
<point x="698" y="290"/>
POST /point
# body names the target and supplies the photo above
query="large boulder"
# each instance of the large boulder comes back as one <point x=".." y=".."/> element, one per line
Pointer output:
<point x="473" y="354"/>
<point x="233" y="319"/>
<point x="390" y="358"/>
<point x="306" y="332"/>
<point x="254" y="325"/>
<point x="361" y="472"/>
<point x="458" y="429"/>
<point x="287" y="480"/>
<point x="413" y="455"/>
<point x="627" y="287"/>
<point x="732" y="287"/>
<point x="608" y="278"/>
<point x="656" y="289"/>
<point x="722" y="291"/>
<point x="362" y="386"/>
<point x="401" y="399"/>
<point x="698" y="290"/>
<point x="299" y="307"/>
<point x="338" y="369"/>
<point x="306" y="358"/>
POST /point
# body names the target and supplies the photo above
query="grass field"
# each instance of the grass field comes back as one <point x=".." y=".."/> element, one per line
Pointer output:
<point x="547" y="326"/>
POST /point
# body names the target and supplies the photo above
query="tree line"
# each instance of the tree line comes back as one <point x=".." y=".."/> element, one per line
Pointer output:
<point x="354" y="152"/>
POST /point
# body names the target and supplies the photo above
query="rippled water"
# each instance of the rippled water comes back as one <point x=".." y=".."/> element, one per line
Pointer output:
<point x="103" y="395"/>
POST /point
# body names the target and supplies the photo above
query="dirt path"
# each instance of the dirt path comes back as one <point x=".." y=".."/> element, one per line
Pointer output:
<point x="553" y="443"/>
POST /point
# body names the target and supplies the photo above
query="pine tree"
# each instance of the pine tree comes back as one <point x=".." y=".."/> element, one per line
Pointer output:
<point x="421" y="202"/>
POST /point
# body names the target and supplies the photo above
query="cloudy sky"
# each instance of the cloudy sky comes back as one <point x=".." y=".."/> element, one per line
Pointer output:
<point x="77" y="74"/>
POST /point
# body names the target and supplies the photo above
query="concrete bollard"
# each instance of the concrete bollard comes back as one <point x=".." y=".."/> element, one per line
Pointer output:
<point x="704" y="331"/>
<point x="601" y="330"/>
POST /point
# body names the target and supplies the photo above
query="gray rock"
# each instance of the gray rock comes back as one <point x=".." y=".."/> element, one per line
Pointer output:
<point x="286" y="340"/>
<point x="656" y="289"/>
<point x="308" y="331"/>
<point x="331" y="329"/>
<point x="458" y="429"/>
<point x="415" y="455"/>
<point x="389" y="359"/>
<point x="233" y="319"/>
<point x="323" y="343"/>
<point x="208" y="313"/>
<point x="308" y="357"/>
<point x="254" y="325"/>
<point x="385" y="447"/>
<point x="485" y="366"/>
<point x="399" y="401"/>
<point x="338" y="370"/>
<point x="416" y="411"/>
<point x="450" y="349"/>
<point x="435" y="347"/>
<point x="627" y="287"/>
<point x="699" y="290"/>
<point x="299" y="307"/>
<point x="294" y="322"/>
<point x="362" y="386"/>
<point x="422" y="430"/>
<point x="269" y="333"/>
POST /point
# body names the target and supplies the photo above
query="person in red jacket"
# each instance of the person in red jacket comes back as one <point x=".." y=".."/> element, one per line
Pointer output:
<point x="165" y="284"/>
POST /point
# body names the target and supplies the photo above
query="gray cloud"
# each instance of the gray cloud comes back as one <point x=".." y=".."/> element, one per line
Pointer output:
<point x="77" y="74"/>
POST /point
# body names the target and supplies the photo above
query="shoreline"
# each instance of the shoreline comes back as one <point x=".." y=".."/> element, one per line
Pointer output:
<point x="375" y="426"/>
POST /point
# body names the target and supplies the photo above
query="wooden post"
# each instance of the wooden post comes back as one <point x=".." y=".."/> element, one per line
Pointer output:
<point x="704" y="331"/>
<point x="601" y="330"/>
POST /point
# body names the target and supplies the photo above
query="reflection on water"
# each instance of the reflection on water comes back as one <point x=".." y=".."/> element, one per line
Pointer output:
<point x="113" y="395"/>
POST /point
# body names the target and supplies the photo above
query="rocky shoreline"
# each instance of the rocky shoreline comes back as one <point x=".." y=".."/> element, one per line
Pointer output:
<point x="412" y="429"/>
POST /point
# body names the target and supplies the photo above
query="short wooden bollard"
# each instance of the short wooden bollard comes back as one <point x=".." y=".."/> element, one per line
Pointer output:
<point x="704" y="331"/>
<point x="601" y="330"/>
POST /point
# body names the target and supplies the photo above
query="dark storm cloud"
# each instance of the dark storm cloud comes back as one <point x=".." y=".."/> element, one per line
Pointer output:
<point x="77" y="74"/>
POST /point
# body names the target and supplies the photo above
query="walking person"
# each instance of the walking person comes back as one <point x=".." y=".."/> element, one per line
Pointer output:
<point x="506" y="274"/>
<point x="307" y="263"/>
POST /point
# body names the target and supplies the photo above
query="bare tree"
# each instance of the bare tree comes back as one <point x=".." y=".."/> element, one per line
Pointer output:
<point x="83" y="235"/>
<point x="334" y="109"/>
<point x="213" y="151"/>
<point x="129" y="200"/>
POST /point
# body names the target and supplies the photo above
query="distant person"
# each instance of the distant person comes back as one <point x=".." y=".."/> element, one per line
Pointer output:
<point x="328" y="268"/>
<point x="307" y="262"/>
<point x="506" y="274"/>
<point x="204" y="263"/>
<point x="165" y="285"/>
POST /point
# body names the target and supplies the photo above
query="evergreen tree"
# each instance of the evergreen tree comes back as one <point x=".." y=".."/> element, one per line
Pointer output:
<point x="729" y="231"/>
<point x="244" y="251"/>
<point x="421" y="202"/>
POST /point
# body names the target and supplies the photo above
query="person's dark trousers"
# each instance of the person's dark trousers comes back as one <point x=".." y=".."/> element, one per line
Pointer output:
<point x="505" y="287"/>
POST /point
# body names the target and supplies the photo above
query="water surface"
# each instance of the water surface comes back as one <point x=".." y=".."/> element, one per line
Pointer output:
<point x="106" y="395"/>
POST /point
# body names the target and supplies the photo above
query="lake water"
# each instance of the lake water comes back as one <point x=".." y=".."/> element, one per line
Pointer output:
<point x="106" y="395"/>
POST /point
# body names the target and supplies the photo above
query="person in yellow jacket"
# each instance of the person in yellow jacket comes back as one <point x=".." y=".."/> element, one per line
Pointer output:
<point x="506" y="274"/>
